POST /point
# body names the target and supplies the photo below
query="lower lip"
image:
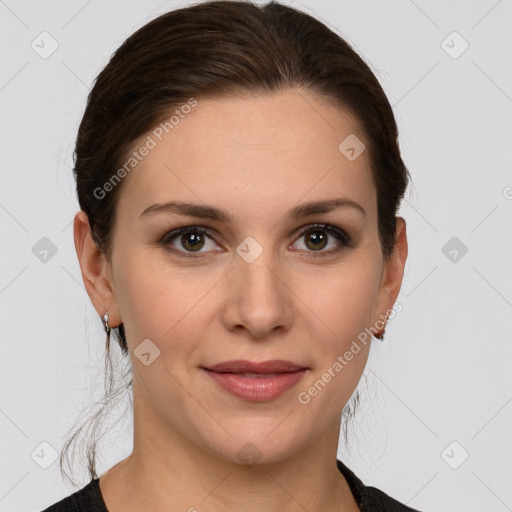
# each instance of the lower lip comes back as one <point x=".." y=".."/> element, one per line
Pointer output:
<point x="257" y="389"/>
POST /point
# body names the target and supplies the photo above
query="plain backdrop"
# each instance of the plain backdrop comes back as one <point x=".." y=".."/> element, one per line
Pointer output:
<point x="434" y="425"/>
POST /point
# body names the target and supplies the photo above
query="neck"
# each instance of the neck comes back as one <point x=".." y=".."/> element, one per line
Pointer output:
<point x="167" y="471"/>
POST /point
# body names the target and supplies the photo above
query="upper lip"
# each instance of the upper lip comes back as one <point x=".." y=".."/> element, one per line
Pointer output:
<point x="241" y="366"/>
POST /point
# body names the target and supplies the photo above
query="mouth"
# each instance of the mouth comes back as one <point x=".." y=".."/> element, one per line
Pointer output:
<point x="257" y="382"/>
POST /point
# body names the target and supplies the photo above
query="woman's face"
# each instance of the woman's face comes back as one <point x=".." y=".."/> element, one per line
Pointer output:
<point x="246" y="283"/>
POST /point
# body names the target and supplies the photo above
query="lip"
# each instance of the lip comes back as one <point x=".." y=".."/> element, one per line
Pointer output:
<point x="266" y="380"/>
<point x="243" y="366"/>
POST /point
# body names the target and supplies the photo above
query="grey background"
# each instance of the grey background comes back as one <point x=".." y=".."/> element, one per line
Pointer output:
<point x="443" y="372"/>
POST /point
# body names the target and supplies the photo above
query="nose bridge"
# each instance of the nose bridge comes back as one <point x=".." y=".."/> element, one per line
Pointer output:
<point x="256" y="266"/>
<point x="261" y="302"/>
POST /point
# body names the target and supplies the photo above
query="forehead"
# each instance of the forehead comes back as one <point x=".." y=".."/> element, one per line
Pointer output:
<point x="250" y="152"/>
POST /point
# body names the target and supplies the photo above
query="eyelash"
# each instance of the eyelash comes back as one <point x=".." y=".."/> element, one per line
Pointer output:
<point x="339" y="234"/>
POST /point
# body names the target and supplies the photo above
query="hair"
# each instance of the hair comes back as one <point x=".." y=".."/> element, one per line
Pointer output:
<point x="217" y="49"/>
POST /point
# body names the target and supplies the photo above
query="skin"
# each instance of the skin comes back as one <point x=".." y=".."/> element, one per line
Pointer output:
<point x="255" y="158"/>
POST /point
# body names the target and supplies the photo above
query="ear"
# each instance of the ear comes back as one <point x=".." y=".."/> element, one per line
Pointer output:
<point x="393" y="272"/>
<point x="96" y="272"/>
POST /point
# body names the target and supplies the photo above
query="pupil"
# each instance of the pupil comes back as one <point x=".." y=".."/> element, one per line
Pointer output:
<point x="186" y="240"/>
<point x="318" y="237"/>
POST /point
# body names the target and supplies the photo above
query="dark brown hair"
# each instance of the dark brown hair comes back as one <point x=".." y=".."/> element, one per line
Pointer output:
<point x="222" y="48"/>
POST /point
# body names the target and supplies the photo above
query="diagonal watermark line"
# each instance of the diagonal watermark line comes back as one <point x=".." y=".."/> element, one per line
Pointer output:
<point x="12" y="280"/>
<point x="75" y="74"/>
<point x="67" y="225"/>
<point x="485" y="15"/>
<point x="14" y="423"/>
<point x="217" y="486"/>
<point x="488" y="282"/>
<point x="420" y="80"/>
<point x="410" y="499"/>
<point x="490" y="490"/>
<point x="333" y="333"/>
<point x="14" y="486"/>
<point x="295" y="90"/>
<point x="422" y="216"/>
<point x="14" y="76"/>
<point x="407" y="295"/>
<point x="75" y="15"/>
<point x="494" y="209"/>
<point x="425" y="14"/>
<point x="404" y="403"/>
<point x="13" y="13"/>
<point x="492" y="81"/>
<point x="503" y="407"/>
<point x="286" y="490"/>
<point x="73" y="277"/>
<point x="198" y="402"/>
<point x="280" y="423"/>
<point x="14" y="218"/>
<point x="198" y="301"/>
<point x="303" y="195"/>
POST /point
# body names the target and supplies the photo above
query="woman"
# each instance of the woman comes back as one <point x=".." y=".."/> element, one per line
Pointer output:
<point x="239" y="176"/>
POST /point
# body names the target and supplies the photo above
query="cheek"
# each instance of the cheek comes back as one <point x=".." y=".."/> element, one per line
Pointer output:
<point x="343" y="303"/>
<point x="342" y="300"/>
<point x="159" y="303"/>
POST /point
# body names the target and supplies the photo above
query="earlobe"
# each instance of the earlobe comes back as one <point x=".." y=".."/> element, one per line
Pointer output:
<point x="95" y="270"/>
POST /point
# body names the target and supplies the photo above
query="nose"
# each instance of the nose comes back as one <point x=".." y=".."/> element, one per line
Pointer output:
<point x="258" y="298"/>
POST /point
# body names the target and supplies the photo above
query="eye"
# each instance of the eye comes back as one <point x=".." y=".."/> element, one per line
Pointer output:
<point x="191" y="238"/>
<point x="317" y="237"/>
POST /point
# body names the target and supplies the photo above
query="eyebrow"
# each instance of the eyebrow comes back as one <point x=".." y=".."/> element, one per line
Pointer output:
<point x="210" y="212"/>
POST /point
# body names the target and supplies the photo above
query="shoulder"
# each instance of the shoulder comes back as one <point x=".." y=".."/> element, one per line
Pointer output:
<point x="87" y="499"/>
<point x="370" y="498"/>
<point x="379" y="500"/>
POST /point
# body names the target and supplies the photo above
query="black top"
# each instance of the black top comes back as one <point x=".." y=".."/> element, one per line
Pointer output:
<point x="369" y="499"/>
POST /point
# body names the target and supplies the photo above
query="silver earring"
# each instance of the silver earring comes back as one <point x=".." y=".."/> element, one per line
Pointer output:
<point x="107" y="329"/>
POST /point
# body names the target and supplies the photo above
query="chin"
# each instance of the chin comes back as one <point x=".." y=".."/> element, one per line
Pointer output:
<point x="257" y="440"/>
